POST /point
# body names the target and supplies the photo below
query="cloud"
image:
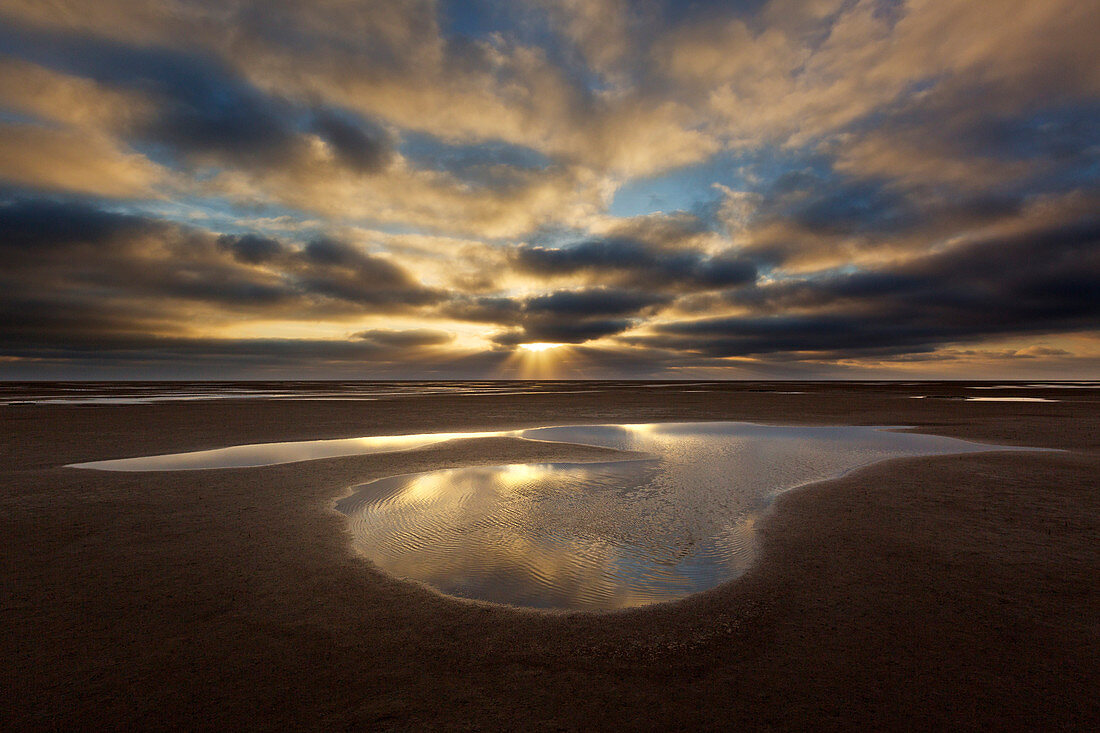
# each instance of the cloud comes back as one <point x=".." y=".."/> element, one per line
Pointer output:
<point x="563" y="332"/>
<point x="815" y="217"/>
<point x="252" y="249"/>
<point x="405" y="339"/>
<point x="627" y="262"/>
<point x="585" y="303"/>
<point x="240" y="141"/>
<point x="562" y="316"/>
<point x="72" y="272"/>
<point x="365" y="148"/>
<point x="72" y="100"/>
<point x="763" y="179"/>
<point x="598" y="29"/>
<point x="668" y="253"/>
<point x="1038" y="352"/>
<point x="390" y="62"/>
<point x="61" y="160"/>
<point x="1044" y="281"/>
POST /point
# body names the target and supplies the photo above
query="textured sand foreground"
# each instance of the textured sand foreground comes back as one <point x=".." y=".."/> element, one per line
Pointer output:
<point x="958" y="591"/>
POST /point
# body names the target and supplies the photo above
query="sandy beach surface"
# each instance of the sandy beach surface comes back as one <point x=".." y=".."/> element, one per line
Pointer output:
<point x="959" y="591"/>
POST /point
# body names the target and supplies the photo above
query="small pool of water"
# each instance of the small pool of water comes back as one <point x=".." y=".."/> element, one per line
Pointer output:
<point x="1010" y="399"/>
<point x="582" y="536"/>
<point x="602" y="536"/>
<point x="268" y="454"/>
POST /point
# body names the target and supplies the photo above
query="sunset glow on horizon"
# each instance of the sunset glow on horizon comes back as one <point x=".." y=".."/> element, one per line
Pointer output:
<point x="539" y="346"/>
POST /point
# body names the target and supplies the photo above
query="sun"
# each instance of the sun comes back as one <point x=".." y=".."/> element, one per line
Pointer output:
<point x="539" y="346"/>
<point x="538" y="360"/>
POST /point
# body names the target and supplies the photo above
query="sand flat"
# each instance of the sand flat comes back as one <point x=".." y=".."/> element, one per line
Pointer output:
<point x="953" y="590"/>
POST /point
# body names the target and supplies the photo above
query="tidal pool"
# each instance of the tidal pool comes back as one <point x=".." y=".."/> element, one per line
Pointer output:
<point x="603" y="536"/>
<point x="582" y="536"/>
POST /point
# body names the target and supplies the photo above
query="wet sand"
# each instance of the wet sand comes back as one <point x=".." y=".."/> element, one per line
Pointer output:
<point x="954" y="591"/>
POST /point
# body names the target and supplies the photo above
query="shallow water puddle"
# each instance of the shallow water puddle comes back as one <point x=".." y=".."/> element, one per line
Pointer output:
<point x="268" y="454"/>
<point x="1010" y="399"/>
<point x="602" y="536"/>
<point x="584" y="536"/>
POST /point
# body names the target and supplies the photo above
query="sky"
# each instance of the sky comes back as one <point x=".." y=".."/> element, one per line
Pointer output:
<point x="427" y="189"/>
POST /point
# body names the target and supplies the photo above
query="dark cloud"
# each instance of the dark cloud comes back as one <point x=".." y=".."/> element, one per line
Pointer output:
<point x="488" y="164"/>
<point x="563" y="316"/>
<point x="324" y="251"/>
<point x="205" y="109"/>
<point x="817" y="216"/>
<point x="43" y="223"/>
<point x="824" y="203"/>
<point x="363" y="147"/>
<point x="252" y="249"/>
<point x="70" y="271"/>
<point x="1057" y="133"/>
<point x="405" y="339"/>
<point x="203" y="106"/>
<point x="486" y="309"/>
<point x="1044" y="281"/>
<point x="562" y="332"/>
<point x="638" y="264"/>
<point x="854" y="207"/>
<point x="586" y="303"/>
<point x="338" y="270"/>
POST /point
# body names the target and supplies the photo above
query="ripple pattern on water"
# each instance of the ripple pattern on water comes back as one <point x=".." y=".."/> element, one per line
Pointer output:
<point x="600" y="536"/>
<point x="588" y="536"/>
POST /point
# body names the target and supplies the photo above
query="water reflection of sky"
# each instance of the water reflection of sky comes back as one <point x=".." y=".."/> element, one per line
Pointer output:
<point x="601" y="536"/>
<point x="586" y="536"/>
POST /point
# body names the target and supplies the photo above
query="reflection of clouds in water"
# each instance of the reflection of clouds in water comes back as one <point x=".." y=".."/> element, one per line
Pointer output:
<point x="621" y="437"/>
<point x="531" y="534"/>
<point x="607" y="535"/>
<point x="583" y="536"/>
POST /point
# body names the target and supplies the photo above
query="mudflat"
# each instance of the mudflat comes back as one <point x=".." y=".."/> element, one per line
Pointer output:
<point x="953" y="591"/>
